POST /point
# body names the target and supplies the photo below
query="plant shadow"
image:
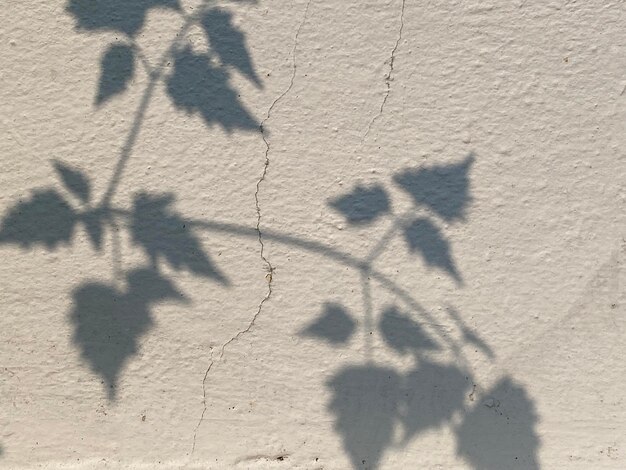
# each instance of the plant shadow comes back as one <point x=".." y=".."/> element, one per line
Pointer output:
<point x="375" y="406"/>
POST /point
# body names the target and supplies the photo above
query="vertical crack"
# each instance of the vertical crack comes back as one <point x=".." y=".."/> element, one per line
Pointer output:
<point x="389" y="74"/>
<point x="270" y="268"/>
<point x="195" y="431"/>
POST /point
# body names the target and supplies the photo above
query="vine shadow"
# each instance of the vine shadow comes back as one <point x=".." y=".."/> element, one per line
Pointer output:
<point x="108" y="320"/>
<point x="372" y="403"/>
<point x="199" y="81"/>
<point x="376" y="407"/>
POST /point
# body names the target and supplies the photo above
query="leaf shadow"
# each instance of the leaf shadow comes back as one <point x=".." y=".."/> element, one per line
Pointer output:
<point x="369" y="402"/>
<point x="164" y="234"/>
<point x="433" y="393"/>
<point x="442" y="188"/>
<point x="365" y="404"/>
<point x="499" y="432"/>
<point x="424" y="237"/>
<point x="198" y="86"/>
<point x="46" y="218"/>
<point x="470" y="336"/>
<point x="109" y="322"/>
<point x="122" y="16"/>
<point x="403" y="334"/>
<point x="363" y="204"/>
<point x="74" y="180"/>
<point x="117" y="68"/>
<point x="335" y="326"/>
<point x="229" y="43"/>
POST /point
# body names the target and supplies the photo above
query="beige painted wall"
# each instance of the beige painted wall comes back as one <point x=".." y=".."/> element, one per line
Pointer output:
<point x="323" y="234"/>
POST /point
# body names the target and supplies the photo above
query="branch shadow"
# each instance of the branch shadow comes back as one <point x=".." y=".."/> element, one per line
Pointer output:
<point x="369" y="401"/>
<point x="108" y="322"/>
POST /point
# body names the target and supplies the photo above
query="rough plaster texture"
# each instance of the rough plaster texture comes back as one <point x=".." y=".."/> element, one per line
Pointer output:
<point x="504" y="316"/>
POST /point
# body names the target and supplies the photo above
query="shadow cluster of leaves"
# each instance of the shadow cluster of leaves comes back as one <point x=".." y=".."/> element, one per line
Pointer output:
<point x="199" y="82"/>
<point x="375" y="406"/>
<point x="443" y="190"/>
<point x="108" y="321"/>
<point x="373" y="403"/>
<point x="370" y="403"/>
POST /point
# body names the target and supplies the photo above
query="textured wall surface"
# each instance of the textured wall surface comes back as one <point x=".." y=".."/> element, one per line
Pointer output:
<point x="313" y="234"/>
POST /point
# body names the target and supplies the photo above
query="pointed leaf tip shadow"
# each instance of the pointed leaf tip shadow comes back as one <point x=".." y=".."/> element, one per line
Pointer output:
<point x="116" y="71"/>
<point x="109" y="322"/>
<point x="442" y="188"/>
<point x="500" y="432"/>
<point x="365" y="404"/>
<point x="74" y="180"/>
<point x="423" y="236"/>
<point x="363" y="204"/>
<point x="403" y="334"/>
<point x="469" y="335"/>
<point x="165" y="234"/>
<point x="196" y="85"/>
<point x="228" y="42"/>
<point x="335" y="325"/>
<point x="46" y="218"/>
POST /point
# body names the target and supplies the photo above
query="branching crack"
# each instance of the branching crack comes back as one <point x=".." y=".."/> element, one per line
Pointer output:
<point x="270" y="268"/>
<point x="267" y="151"/>
<point x="389" y="74"/>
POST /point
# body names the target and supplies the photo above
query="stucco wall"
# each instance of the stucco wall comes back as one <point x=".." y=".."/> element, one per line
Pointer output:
<point x="316" y="235"/>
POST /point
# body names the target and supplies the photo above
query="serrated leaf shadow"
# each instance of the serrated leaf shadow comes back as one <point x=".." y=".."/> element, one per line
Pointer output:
<point x="365" y="403"/>
<point x="198" y="86"/>
<point x="499" y="432"/>
<point x="109" y="322"/>
<point x="46" y="218"/>
<point x="164" y="234"/>
<point x="433" y="394"/>
<point x="74" y="180"/>
<point x="228" y="42"/>
<point x="442" y="188"/>
<point x="424" y="236"/>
